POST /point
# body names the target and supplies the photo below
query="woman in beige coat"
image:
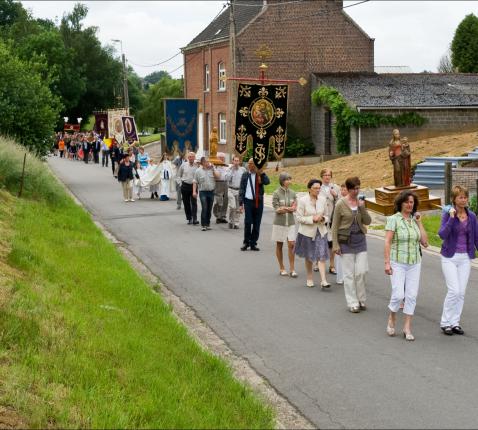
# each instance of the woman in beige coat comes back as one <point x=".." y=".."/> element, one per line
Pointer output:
<point x="311" y="242"/>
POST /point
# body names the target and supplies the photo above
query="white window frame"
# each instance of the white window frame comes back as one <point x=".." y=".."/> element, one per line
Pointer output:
<point x="206" y="77"/>
<point x="221" y="72"/>
<point x="222" y="127"/>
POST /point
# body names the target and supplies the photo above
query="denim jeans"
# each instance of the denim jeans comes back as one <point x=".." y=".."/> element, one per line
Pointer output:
<point x="207" y="200"/>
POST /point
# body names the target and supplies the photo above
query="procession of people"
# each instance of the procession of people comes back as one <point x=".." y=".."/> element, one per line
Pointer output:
<point x="326" y="226"/>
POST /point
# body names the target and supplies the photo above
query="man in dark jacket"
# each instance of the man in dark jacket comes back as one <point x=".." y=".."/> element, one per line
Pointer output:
<point x="251" y="201"/>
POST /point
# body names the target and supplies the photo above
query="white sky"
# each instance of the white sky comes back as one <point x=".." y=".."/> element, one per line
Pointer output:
<point x="407" y="33"/>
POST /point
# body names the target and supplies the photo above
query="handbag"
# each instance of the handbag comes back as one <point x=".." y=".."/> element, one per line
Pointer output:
<point x="343" y="236"/>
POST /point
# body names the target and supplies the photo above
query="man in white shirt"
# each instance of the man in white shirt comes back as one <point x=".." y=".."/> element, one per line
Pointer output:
<point x="233" y="179"/>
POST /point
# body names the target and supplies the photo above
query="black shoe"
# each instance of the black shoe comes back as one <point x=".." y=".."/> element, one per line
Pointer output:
<point x="223" y="221"/>
<point x="244" y="248"/>
<point x="156" y="195"/>
<point x="231" y="226"/>
<point x="218" y="221"/>
<point x="189" y="222"/>
<point x="254" y="248"/>
<point x="152" y="196"/>
<point x="236" y="227"/>
<point x="195" y="222"/>
<point x="447" y="330"/>
<point x="457" y="330"/>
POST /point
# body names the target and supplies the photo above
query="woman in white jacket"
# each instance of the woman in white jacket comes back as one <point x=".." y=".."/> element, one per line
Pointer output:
<point x="311" y="242"/>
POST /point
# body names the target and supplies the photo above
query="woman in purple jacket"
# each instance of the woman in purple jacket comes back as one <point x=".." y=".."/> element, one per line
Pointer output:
<point x="459" y="231"/>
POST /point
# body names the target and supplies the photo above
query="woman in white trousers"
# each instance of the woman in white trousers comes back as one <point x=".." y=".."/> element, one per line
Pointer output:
<point x="404" y="233"/>
<point x="459" y="232"/>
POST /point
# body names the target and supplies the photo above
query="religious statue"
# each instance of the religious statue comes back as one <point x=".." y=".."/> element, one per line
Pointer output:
<point x="399" y="153"/>
<point x="213" y="141"/>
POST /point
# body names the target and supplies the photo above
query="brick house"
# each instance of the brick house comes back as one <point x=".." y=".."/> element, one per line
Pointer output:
<point x="448" y="102"/>
<point x="305" y="37"/>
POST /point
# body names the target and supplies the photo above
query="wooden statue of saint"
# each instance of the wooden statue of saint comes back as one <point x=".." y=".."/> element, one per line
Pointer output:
<point x="399" y="154"/>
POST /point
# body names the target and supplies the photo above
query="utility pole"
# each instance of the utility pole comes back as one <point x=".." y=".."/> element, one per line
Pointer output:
<point x="232" y="84"/>
<point x="125" y="84"/>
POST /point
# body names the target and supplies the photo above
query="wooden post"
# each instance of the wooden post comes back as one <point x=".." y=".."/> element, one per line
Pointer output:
<point x="448" y="182"/>
<point x="23" y="175"/>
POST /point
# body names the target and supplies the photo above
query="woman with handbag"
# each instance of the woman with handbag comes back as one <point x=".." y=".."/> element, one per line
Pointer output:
<point x="404" y="233"/>
<point x="348" y="236"/>
<point x="459" y="231"/>
<point x="311" y="242"/>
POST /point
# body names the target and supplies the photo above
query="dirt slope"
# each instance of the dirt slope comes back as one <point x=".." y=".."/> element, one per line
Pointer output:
<point x="375" y="169"/>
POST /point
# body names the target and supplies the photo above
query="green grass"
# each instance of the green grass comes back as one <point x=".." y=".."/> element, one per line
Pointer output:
<point x="376" y="227"/>
<point x="84" y="342"/>
<point x="274" y="178"/>
<point x="148" y="139"/>
<point x="432" y="225"/>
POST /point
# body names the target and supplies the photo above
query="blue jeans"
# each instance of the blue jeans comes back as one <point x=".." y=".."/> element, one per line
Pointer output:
<point x="207" y="201"/>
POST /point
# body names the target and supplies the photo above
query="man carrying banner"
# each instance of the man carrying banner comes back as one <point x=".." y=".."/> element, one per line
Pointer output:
<point x="186" y="175"/>
<point x="251" y="200"/>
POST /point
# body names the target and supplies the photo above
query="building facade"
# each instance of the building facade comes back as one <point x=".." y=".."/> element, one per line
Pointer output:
<point x="306" y="37"/>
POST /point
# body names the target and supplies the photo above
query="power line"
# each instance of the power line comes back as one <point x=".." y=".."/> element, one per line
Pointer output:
<point x="157" y="64"/>
<point x="356" y="4"/>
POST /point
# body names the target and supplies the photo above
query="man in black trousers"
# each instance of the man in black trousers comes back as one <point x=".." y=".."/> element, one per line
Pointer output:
<point x="186" y="175"/>
<point x="251" y="201"/>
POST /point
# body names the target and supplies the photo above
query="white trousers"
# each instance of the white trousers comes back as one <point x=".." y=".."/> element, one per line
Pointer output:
<point x="233" y="205"/>
<point x="456" y="271"/>
<point x="355" y="267"/>
<point x="338" y="268"/>
<point x="405" y="283"/>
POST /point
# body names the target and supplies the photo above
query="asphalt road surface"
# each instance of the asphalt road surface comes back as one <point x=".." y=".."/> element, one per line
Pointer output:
<point x="339" y="369"/>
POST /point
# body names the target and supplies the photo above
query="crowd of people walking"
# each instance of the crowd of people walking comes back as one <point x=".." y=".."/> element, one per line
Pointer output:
<point x="327" y="224"/>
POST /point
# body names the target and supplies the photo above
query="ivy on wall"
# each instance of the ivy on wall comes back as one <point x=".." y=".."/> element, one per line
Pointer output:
<point x="347" y="117"/>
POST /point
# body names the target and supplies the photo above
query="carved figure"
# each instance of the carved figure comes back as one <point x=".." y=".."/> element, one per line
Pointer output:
<point x="213" y="141"/>
<point x="399" y="154"/>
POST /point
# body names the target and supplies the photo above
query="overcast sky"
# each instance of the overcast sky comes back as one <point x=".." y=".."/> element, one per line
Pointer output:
<point x="406" y="33"/>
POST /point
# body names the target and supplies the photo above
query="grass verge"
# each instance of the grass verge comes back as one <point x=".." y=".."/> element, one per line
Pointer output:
<point x="83" y="340"/>
<point x="148" y="139"/>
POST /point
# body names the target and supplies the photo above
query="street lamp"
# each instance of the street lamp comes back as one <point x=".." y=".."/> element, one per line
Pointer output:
<point x="65" y="118"/>
<point x="79" y="121"/>
<point x="125" y="76"/>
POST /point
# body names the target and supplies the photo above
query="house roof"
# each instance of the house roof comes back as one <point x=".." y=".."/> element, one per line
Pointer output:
<point x="219" y="28"/>
<point x="404" y="89"/>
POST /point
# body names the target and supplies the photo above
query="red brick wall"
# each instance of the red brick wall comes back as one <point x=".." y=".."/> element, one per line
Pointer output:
<point x="211" y="102"/>
<point x="305" y="37"/>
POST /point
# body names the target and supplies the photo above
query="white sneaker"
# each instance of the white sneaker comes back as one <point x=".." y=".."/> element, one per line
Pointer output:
<point x="131" y="200"/>
<point x="126" y="200"/>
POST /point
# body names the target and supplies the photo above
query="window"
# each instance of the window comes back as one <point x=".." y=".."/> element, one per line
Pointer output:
<point x="221" y="75"/>
<point x="206" y="77"/>
<point x="222" y="128"/>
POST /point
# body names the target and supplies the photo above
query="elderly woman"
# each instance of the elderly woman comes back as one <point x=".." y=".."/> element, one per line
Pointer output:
<point x="331" y="192"/>
<point x="459" y="231"/>
<point x="348" y="235"/>
<point x="311" y="242"/>
<point x="404" y="233"/>
<point x="284" y="202"/>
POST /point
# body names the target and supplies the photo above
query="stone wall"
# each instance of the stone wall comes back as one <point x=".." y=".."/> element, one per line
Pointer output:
<point x="466" y="177"/>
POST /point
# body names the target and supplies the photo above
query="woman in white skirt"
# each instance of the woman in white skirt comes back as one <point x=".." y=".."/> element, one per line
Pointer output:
<point x="284" y="202"/>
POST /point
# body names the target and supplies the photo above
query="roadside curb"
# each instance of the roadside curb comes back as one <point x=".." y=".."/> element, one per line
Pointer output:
<point x="287" y="415"/>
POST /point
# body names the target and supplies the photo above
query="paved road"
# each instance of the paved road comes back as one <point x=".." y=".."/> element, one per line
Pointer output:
<point x="340" y="369"/>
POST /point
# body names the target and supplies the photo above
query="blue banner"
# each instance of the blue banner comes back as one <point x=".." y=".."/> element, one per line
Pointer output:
<point x="181" y="124"/>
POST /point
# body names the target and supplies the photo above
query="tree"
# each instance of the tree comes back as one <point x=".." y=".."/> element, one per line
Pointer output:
<point x="445" y="66"/>
<point x="155" y="77"/>
<point x="29" y="109"/>
<point x="135" y="91"/>
<point x="10" y="12"/>
<point x="464" y="47"/>
<point x="152" y="115"/>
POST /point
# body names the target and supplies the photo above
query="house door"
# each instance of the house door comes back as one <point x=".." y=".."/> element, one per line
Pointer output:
<point x="327" y="132"/>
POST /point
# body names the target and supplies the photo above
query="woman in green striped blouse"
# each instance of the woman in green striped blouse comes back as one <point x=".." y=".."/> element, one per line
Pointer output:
<point x="404" y="233"/>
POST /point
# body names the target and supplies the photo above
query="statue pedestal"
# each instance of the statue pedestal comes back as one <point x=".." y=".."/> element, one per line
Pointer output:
<point x="385" y="197"/>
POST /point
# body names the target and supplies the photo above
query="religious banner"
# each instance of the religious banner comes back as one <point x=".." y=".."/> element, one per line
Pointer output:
<point x="71" y="127"/>
<point x="115" y="124"/>
<point x="181" y="124"/>
<point x="101" y="123"/>
<point x="129" y="129"/>
<point x="261" y="120"/>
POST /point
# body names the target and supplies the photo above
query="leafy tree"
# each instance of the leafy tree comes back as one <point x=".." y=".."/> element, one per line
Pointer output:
<point x="10" y="12"/>
<point x="135" y="91"/>
<point x="464" y="47"/>
<point x="152" y="115"/>
<point x="155" y="77"/>
<point x="29" y="109"/>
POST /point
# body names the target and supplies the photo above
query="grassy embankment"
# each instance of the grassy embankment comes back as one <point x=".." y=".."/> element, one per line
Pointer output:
<point x="84" y="342"/>
<point x="144" y="140"/>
